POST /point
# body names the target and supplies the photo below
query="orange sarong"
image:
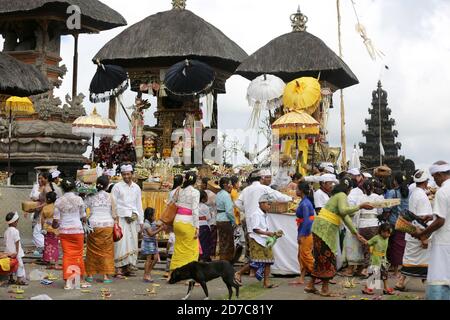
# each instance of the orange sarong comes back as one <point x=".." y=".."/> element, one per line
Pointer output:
<point x="72" y="246"/>
<point x="100" y="252"/>
<point x="305" y="256"/>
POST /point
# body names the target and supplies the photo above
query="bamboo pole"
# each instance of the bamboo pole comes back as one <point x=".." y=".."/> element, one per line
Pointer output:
<point x="343" y="136"/>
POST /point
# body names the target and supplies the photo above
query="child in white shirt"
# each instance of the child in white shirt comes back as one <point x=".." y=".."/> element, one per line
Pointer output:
<point x="204" y="225"/>
<point x="14" y="247"/>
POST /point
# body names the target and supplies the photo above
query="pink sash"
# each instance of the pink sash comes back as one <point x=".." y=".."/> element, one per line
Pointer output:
<point x="184" y="211"/>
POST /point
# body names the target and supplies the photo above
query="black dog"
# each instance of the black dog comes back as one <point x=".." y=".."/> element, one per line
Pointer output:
<point x="202" y="272"/>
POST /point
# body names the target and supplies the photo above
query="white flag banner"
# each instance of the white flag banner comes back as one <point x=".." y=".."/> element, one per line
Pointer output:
<point x="382" y="149"/>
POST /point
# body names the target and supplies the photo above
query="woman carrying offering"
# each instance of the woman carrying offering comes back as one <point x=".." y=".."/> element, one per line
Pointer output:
<point x="325" y="230"/>
<point x="100" y="244"/>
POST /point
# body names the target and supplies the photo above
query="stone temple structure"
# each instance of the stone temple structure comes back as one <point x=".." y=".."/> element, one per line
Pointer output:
<point x="32" y="31"/>
<point x="373" y="155"/>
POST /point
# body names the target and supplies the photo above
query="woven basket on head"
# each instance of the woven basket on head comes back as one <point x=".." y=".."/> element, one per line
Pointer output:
<point x="151" y="186"/>
<point x="213" y="185"/>
<point x="382" y="171"/>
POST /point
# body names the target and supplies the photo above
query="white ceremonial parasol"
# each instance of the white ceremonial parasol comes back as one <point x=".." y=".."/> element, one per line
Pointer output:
<point x="94" y="125"/>
<point x="265" y="92"/>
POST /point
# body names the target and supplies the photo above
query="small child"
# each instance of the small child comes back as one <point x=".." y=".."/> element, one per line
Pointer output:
<point x="378" y="263"/>
<point x="169" y="249"/>
<point x="150" y="243"/>
<point x="205" y="231"/>
<point x="14" y="247"/>
<point x="51" y="239"/>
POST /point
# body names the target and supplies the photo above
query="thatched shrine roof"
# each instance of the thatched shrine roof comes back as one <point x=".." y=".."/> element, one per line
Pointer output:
<point x="298" y="54"/>
<point x="94" y="14"/>
<point x="168" y="37"/>
<point x="20" y="79"/>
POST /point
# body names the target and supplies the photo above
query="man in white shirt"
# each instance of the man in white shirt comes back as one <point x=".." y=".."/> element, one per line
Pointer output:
<point x="438" y="279"/>
<point x="258" y="231"/>
<point x="55" y="174"/>
<point x="415" y="258"/>
<point x="127" y="202"/>
<point x="249" y="197"/>
<point x="322" y="195"/>
<point x="353" y="252"/>
<point x="248" y="203"/>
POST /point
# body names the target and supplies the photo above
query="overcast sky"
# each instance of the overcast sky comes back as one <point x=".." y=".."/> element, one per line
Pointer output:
<point x="413" y="34"/>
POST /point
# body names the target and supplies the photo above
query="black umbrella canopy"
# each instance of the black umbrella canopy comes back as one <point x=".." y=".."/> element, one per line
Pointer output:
<point x="168" y="37"/>
<point x="109" y="81"/>
<point x="94" y="14"/>
<point x="189" y="78"/>
<point x="298" y="54"/>
<point x="20" y="79"/>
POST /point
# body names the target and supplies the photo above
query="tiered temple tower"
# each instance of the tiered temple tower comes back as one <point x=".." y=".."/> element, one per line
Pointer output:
<point x="372" y="150"/>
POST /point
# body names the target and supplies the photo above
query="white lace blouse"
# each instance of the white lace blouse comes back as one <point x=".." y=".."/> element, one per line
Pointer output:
<point x="101" y="210"/>
<point x="69" y="209"/>
<point x="188" y="198"/>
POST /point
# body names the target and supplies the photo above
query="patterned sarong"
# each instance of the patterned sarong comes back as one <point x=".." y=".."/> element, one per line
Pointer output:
<point x="100" y="252"/>
<point x="324" y="260"/>
<point x="226" y="241"/>
<point x="51" y="248"/>
<point x="72" y="246"/>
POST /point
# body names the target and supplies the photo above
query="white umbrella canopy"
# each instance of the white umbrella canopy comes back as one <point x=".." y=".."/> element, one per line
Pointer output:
<point x="355" y="162"/>
<point x="94" y="125"/>
<point x="264" y="93"/>
<point x="90" y="126"/>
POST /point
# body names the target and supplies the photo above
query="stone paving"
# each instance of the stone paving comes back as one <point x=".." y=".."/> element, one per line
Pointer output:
<point x="133" y="288"/>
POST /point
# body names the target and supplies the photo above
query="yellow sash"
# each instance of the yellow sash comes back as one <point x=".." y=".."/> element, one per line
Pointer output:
<point x="378" y="253"/>
<point x="5" y="264"/>
<point x="329" y="216"/>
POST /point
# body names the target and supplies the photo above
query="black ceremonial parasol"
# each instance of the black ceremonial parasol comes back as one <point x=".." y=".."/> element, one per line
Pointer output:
<point x="189" y="78"/>
<point x="109" y="81"/>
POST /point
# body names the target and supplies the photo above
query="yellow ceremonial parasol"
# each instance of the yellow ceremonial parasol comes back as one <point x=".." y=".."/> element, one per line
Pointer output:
<point x="18" y="105"/>
<point x="15" y="105"/>
<point x="296" y="122"/>
<point x="302" y="94"/>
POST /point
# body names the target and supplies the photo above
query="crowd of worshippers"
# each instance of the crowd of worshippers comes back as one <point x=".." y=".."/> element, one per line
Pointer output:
<point x="339" y="229"/>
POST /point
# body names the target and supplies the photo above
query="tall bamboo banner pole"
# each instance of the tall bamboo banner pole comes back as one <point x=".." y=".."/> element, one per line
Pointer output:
<point x="343" y="137"/>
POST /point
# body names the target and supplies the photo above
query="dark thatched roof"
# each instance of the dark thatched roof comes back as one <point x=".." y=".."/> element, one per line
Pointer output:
<point x="95" y="14"/>
<point x="20" y="79"/>
<point x="298" y="54"/>
<point x="168" y="37"/>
